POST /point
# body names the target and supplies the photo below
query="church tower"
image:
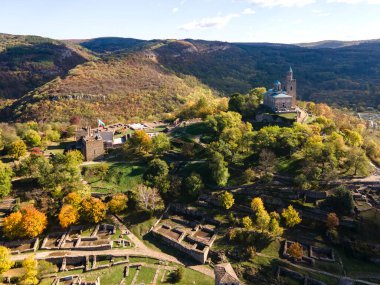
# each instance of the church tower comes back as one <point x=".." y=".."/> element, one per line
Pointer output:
<point x="291" y="87"/>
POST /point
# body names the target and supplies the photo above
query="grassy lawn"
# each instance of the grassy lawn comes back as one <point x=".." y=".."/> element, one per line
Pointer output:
<point x="121" y="177"/>
<point x="132" y="272"/>
<point x="355" y="266"/>
<point x="273" y="249"/>
<point x="189" y="277"/>
<point x="146" y="275"/>
<point x="113" y="275"/>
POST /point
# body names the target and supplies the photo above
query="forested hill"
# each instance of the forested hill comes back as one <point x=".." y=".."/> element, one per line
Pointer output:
<point x="27" y="62"/>
<point x="44" y="72"/>
<point x="339" y="73"/>
<point x="345" y="76"/>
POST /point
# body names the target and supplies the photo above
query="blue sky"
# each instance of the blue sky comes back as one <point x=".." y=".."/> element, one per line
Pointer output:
<point x="284" y="21"/>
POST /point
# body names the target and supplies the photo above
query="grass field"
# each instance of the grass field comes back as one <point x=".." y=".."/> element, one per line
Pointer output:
<point x="121" y="177"/>
<point x="114" y="275"/>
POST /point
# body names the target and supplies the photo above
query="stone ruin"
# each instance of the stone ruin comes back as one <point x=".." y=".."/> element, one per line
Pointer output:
<point x="188" y="230"/>
<point x="22" y="246"/>
<point x="311" y="253"/>
<point x="74" y="280"/>
<point x="100" y="239"/>
<point x="285" y="272"/>
<point x="87" y="263"/>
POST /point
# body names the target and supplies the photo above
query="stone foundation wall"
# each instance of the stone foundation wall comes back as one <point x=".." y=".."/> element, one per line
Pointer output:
<point x="198" y="255"/>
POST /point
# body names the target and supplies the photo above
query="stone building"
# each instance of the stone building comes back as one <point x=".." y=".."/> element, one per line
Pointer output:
<point x="90" y="143"/>
<point x="93" y="147"/>
<point x="282" y="100"/>
<point x="225" y="275"/>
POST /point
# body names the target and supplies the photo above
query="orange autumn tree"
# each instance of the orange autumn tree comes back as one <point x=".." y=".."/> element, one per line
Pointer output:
<point x="332" y="221"/>
<point x="93" y="210"/>
<point x="295" y="250"/>
<point x="26" y="223"/>
<point x="68" y="216"/>
<point x="11" y="225"/>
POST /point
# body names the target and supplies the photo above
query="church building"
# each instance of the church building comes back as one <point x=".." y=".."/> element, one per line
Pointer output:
<point x="282" y="100"/>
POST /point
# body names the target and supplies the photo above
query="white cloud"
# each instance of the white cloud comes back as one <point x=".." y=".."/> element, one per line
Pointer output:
<point x="206" y="23"/>
<point x="372" y="2"/>
<point x="286" y="3"/>
<point x="320" y="13"/>
<point x="248" y="11"/>
<point x="175" y="10"/>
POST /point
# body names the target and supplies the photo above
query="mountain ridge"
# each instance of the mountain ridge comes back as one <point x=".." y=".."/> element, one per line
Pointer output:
<point x="346" y="76"/>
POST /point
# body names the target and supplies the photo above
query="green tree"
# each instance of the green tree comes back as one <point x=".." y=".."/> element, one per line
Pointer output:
<point x="32" y="138"/>
<point x="177" y="275"/>
<point x="45" y="267"/>
<point x="219" y="122"/>
<point x="227" y="200"/>
<point x="5" y="179"/>
<point x="357" y="162"/>
<point x="53" y="135"/>
<point x="219" y="170"/>
<point x="342" y="201"/>
<point x="6" y="262"/>
<point x="156" y="175"/>
<point x="161" y="143"/>
<point x="17" y="149"/>
<point x="193" y="185"/>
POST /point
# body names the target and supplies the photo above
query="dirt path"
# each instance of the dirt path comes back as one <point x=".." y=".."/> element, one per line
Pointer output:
<point x="116" y="252"/>
<point x="135" y="240"/>
<point x="203" y="269"/>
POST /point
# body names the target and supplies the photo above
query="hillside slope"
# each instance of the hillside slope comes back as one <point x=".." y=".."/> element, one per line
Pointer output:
<point x="347" y="76"/>
<point x="121" y="78"/>
<point x="27" y="62"/>
<point x="111" y="89"/>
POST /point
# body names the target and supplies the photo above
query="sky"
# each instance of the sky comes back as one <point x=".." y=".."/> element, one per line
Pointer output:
<point x="278" y="21"/>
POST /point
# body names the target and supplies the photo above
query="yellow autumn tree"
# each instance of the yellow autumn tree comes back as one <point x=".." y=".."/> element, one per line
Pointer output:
<point x="257" y="204"/>
<point x="68" y="216"/>
<point x="247" y="223"/>
<point x="73" y="199"/>
<point x="30" y="266"/>
<point x="118" y="203"/>
<point x="227" y="200"/>
<point x="6" y="262"/>
<point x="291" y="217"/>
